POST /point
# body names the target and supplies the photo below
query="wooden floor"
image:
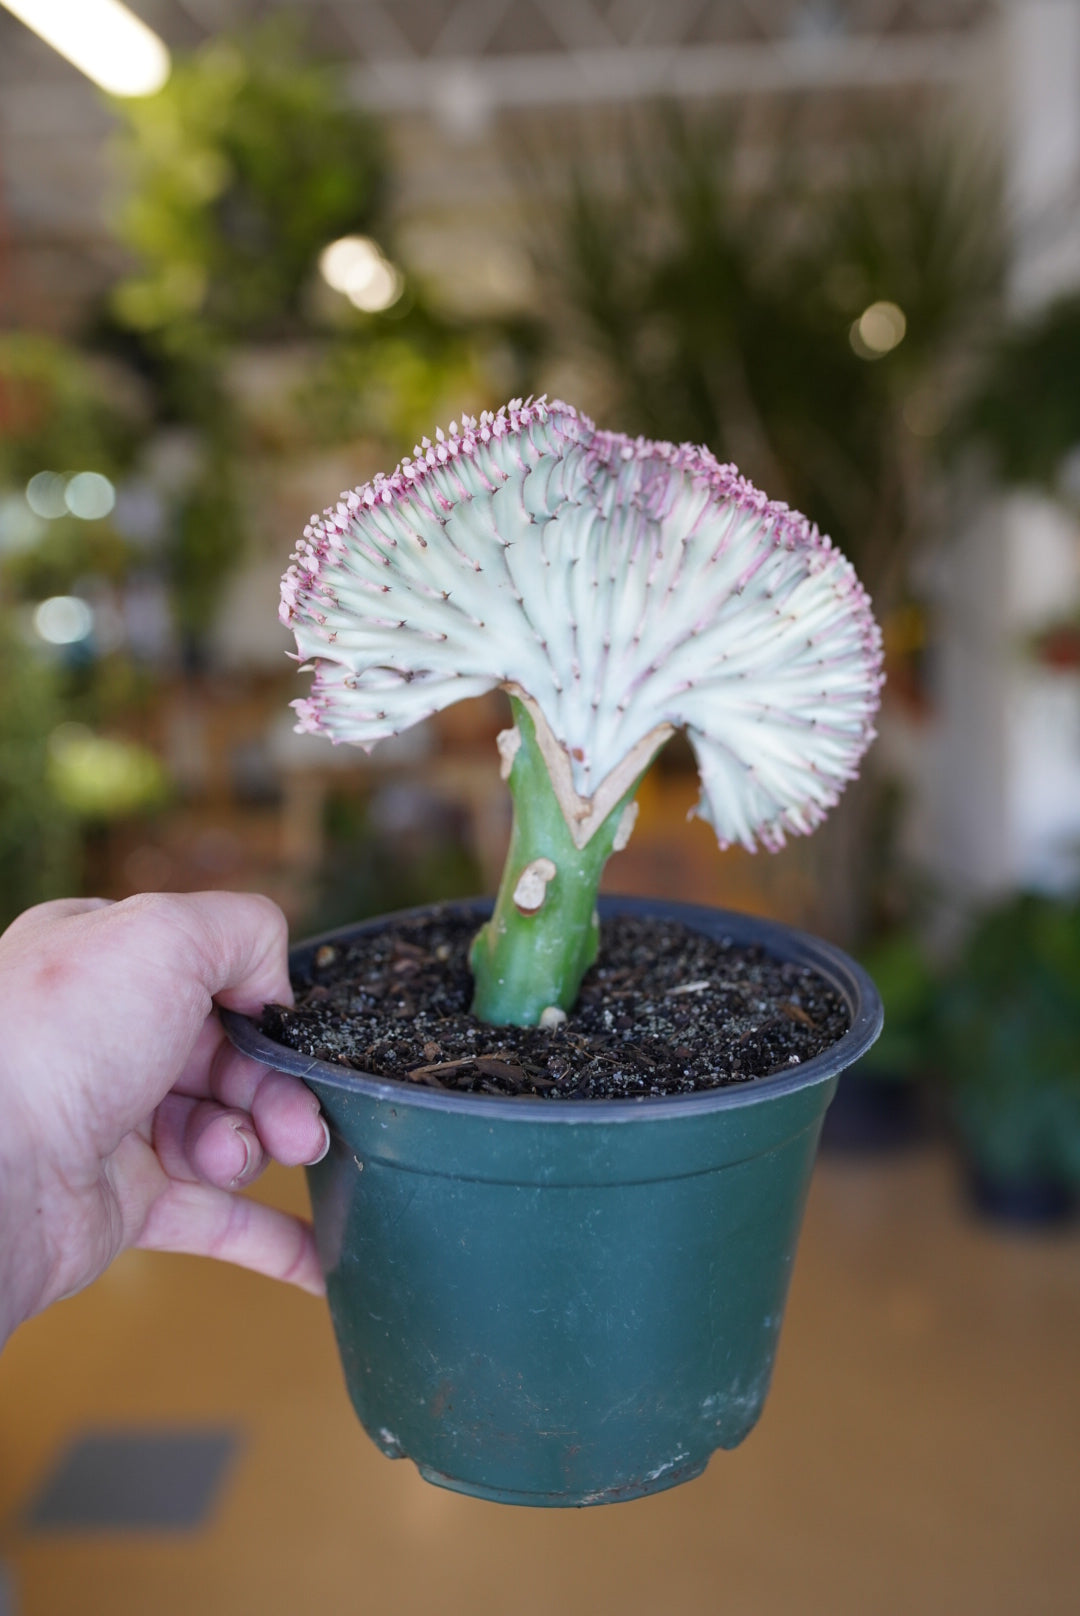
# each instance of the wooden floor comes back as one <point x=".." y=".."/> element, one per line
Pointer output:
<point x="920" y="1452"/>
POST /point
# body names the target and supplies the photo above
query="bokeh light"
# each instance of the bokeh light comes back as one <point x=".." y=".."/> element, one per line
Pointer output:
<point x="89" y="496"/>
<point x="63" y="620"/>
<point x="45" y="495"/>
<point x="357" y="267"/>
<point x="878" y="330"/>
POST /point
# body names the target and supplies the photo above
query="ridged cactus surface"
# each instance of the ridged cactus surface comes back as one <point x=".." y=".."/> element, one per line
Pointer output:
<point x="623" y="588"/>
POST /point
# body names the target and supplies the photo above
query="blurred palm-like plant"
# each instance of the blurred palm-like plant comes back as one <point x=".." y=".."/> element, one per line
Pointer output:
<point x="1026" y="409"/>
<point x="816" y="332"/>
<point x="819" y="331"/>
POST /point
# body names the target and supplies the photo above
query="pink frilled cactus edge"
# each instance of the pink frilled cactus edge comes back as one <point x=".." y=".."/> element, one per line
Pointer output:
<point x="618" y="590"/>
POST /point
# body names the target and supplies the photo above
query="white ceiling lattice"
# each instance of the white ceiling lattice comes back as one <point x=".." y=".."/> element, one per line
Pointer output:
<point x="420" y="29"/>
<point x="466" y="58"/>
<point x="600" y="47"/>
<point x="461" y="62"/>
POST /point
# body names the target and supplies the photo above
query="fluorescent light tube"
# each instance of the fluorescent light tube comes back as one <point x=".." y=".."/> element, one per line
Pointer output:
<point x="102" y="38"/>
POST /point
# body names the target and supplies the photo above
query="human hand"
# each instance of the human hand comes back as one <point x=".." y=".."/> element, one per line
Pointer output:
<point x="126" y="1116"/>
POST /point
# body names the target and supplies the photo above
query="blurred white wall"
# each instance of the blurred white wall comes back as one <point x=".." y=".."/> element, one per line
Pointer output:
<point x="1006" y="778"/>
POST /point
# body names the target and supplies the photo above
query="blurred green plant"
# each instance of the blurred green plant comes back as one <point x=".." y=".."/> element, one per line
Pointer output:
<point x="65" y="552"/>
<point x="62" y="412"/>
<point x="372" y="868"/>
<point x="206" y="544"/>
<point x="39" y="856"/>
<point x="388" y="383"/>
<point x="59" y="411"/>
<point x="906" y="979"/>
<point x="239" y="172"/>
<point x="1026" y="409"/>
<point x="1009" y="1034"/>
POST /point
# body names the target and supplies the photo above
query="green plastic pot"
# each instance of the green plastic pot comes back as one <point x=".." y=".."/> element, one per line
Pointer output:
<point x="567" y="1302"/>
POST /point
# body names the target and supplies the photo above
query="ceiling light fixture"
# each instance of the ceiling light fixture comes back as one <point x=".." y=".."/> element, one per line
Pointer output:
<point x="102" y="38"/>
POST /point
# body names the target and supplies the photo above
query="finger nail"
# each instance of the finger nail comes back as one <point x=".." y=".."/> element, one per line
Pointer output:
<point x="326" y="1143"/>
<point x="251" y="1154"/>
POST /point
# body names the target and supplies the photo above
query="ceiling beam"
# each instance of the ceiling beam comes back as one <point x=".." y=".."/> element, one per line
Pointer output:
<point x="556" y="78"/>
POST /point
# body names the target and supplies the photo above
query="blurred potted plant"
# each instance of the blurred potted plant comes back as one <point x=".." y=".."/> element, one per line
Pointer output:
<point x="1009" y="1033"/>
<point x="540" y="1298"/>
<point x="878" y="1102"/>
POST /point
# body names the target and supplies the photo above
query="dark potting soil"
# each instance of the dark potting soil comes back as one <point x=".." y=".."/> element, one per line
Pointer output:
<point x="665" y="1010"/>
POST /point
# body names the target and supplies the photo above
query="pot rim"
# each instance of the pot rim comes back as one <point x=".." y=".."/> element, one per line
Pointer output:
<point x="784" y="942"/>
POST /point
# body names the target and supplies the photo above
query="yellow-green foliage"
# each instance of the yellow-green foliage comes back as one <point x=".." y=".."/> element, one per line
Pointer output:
<point x="103" y="776"/>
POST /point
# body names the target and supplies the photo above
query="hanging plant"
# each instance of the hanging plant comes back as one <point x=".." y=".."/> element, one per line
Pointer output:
<point x="240" y="171"/>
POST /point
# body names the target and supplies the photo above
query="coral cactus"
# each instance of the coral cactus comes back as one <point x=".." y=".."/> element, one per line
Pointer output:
<point x="618" y="590"/>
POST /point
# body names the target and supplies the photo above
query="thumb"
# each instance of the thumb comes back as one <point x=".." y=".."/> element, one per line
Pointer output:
<point x="235" y="944"/>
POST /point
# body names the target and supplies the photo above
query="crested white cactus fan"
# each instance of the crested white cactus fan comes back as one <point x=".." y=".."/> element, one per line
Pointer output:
<point x="618" y="590"/>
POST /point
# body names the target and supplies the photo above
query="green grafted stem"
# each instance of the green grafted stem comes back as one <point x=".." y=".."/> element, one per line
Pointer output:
<point x="524" y="963"/>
